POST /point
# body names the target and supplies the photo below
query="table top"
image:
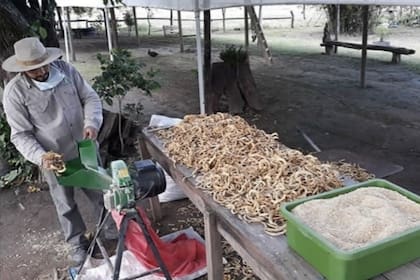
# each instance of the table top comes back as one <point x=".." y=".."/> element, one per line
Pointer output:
<point x="269" y="256"/>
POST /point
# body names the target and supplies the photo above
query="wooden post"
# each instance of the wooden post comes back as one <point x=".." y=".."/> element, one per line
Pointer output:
<point x="364" y="46"/>
<point x="214" y="252"/>
<point x="207" y="55"/>
<point x="337" y="26"/>
<point x="135" y="26"/>
<point x="72" y="52"/>
<point x="246" y="29"/>
<point x="304" y="11"/>
<point x="114" y="28"/>
<point x="181" y="38"/>
<point x="60" y="21"/>
<point x="104" y="12"/>
<point x="108" y="33"/>
<point x="292" y="21"/>
<point x="171" y="18"/>
<point x="224" y="19"/>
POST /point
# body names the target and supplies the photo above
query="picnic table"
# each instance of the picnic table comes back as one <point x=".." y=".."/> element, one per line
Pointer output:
<point x="268" y="256"/>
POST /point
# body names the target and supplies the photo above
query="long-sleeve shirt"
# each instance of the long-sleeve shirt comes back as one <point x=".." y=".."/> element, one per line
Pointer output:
<point x="51" y="120"/>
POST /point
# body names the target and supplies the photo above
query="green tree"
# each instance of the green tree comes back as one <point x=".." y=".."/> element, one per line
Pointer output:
<point x="351" y="17"/>
<point x="118" y="76"/>
<point x="129" y="21"/>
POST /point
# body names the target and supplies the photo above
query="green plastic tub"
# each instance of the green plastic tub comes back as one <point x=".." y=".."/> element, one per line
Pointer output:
<point x="357" y="264"/>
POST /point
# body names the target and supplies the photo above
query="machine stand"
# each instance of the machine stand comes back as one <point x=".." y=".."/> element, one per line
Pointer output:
<point x="129" y="214"/>
<point x="132" y="214"/>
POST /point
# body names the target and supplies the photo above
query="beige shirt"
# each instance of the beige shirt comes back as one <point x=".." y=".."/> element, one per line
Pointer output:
<point x="51" y="120"/>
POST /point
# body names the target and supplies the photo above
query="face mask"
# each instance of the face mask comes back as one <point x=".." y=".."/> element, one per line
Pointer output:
<point x="54" y="78"/>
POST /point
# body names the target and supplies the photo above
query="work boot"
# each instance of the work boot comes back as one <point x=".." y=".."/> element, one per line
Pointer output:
<point x="78" y="255"/>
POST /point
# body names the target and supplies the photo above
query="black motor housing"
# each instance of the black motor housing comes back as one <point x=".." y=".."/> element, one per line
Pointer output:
<point x="149" y="179"/>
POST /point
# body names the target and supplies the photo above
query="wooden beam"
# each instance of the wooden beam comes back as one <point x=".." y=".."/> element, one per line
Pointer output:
<point x="224" y="19"/>
<point x="364" y="46"/>
<point x="60" y="21"/>
<point x="207" y="43"/>
<point x="398" y="50"/>
<point x="214" y="251"/>
<point x="181" y="39"/>
<point x="260" y="33"/>
<point x="337" y="26"/>
<point x="207" y="56"/>
<point x="135" y="26"/>
<point x="72" y="52"/>
<point x="246" y="28"/>
<point x="114" y="28"/>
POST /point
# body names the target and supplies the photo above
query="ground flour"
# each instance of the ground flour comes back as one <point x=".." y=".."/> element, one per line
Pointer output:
<point x="358" y="218"/>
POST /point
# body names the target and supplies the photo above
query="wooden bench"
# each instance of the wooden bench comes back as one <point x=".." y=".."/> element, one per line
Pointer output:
<point x="169" y="30"/>
<point x="79" y="32"/>
<point x="396" y="51"/>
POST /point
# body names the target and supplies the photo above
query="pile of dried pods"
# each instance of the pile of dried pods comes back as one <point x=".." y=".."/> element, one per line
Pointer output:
<point x="245" y="169"/>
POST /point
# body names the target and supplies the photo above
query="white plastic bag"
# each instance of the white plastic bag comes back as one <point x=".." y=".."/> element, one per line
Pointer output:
<point x="163" y="121"/>
<point x="173" y="191"/>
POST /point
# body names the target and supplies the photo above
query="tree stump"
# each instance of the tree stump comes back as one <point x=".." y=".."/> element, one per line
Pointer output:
<point x="237" y="83"/>
<point x="108" y="136"/>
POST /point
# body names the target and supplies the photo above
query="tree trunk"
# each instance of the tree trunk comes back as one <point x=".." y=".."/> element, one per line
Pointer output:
<point x="237" y="83"/>
<point x="48" y="22"/>
<point x="10" y="19"/>
<point x="60" y="22"/>
<point x="114" y="28"/>
<point x="110" y="131"/>
<point x="16" y="18"/>
<point x="247" y="86"/>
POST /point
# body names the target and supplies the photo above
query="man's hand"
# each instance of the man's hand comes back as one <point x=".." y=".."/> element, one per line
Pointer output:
<point x="90" y="133"/>
<point x="53" y="161"/>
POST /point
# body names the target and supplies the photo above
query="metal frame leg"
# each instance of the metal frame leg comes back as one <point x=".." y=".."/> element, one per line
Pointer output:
<point x="132" y="214"/>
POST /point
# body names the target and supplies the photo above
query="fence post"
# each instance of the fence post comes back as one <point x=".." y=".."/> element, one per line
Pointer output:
<point x="292" y="23"/>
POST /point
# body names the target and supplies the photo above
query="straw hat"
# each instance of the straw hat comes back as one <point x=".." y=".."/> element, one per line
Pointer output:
<point x="30" y="54"/>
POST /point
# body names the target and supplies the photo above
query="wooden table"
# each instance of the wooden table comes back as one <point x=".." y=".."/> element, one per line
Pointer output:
<point x="270" y="257"/>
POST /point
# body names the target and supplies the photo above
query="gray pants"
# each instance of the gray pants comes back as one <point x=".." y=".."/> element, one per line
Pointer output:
<point x="68" y="212"/>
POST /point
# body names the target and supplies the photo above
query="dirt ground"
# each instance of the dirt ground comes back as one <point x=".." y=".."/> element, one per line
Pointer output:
<point x="318" y="93"/>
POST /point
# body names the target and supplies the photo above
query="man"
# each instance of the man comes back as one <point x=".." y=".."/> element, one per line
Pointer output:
<point x="49" y="107"/>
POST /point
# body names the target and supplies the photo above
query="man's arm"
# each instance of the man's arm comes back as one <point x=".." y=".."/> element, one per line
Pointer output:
<point x="21" y="129"/>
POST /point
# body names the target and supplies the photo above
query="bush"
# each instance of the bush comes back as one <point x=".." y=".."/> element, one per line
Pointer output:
<point x="20" y="169"/>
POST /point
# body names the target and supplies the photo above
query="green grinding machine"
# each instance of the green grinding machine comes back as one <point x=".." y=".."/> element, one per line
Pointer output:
<point x="122" y="188"/>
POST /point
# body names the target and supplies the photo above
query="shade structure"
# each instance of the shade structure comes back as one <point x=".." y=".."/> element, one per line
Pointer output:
<point x="202" y="5"/>
<point x="81" y="3"/>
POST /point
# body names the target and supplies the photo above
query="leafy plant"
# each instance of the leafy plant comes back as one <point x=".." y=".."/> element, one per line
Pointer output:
<point x="80" y="11"/>
<point x="20" y="169"/>
<point x="233" y="55"/>
<point x="36" y="29"/>
<point x="118" y="76"/>
<point x="129" y="21"/>
<point x="382" y="31"/>
<point x="149" y="16"/>
<point x="133" y="111"/>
